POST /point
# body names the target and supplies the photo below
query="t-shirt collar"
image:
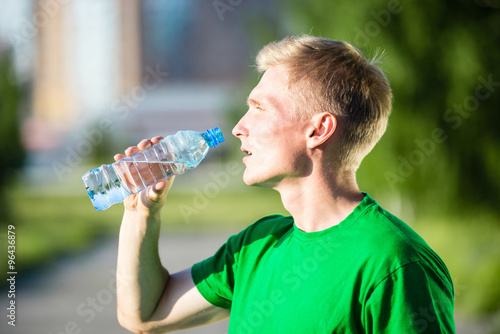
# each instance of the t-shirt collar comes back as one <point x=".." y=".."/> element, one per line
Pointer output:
<point x="336" y="229"/>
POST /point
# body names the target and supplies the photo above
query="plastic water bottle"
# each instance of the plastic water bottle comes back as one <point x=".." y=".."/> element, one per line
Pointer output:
<point x="174" y="155"/>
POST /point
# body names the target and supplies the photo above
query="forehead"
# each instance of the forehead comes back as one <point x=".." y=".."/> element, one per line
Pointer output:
<point x="272" y="89"/>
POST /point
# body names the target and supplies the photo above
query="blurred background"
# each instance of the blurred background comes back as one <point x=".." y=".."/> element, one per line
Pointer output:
<point x="81" y="80"/>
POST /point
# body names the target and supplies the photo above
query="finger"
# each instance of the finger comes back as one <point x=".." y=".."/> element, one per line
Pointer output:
<point x="144" y="144"/>
<point x="119" y="156"/>
<point x="160" y="189"/>
<point x="155" y="191"/>
<point x="156" y="140"/>
<point x="131" y="150"/>
<point x="159" y="186"/>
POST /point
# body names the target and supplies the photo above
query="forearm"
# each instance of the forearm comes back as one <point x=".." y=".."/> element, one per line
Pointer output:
<point x="141" y="277"/>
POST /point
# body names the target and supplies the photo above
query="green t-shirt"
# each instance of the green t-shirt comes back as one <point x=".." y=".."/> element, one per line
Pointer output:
<point x="369" y="274"/>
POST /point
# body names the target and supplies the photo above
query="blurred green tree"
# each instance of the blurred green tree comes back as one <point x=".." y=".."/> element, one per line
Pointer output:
<point x="11" y="149"/>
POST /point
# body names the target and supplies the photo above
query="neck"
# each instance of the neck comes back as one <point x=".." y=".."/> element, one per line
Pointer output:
<point x="320" y="200"/>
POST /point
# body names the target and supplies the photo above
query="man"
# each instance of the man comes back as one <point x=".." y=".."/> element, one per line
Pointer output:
<point x="340" y="263"/>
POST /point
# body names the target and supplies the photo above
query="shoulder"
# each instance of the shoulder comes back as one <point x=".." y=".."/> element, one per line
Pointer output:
<point x="396" y="244"/>
<point x="385" y="233"/>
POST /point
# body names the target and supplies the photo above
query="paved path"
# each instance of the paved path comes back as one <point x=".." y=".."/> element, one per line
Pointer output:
<point x="77" y="295"/>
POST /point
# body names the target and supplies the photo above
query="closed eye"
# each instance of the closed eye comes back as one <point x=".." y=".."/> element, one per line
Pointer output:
<point x="254" y="104"/>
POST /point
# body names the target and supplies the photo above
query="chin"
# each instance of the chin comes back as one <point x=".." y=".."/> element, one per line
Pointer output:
<point x="255" y="181"/>
<point x="251" y="180"/>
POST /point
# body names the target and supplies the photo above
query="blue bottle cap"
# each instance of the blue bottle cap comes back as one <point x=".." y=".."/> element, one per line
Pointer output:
<point x="214" y="137"/>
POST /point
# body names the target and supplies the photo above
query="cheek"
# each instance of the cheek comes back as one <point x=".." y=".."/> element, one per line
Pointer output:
<point x="289" y="148"/>
<point x="266" y="135"/>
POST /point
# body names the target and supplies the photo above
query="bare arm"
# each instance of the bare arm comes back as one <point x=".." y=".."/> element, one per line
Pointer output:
<point x="150" y="300"/>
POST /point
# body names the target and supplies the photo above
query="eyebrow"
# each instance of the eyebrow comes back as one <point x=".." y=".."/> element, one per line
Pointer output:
<point x="254" y="102"/>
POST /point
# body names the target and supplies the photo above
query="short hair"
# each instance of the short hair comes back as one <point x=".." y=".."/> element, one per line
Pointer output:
<point x="334" y="76"/>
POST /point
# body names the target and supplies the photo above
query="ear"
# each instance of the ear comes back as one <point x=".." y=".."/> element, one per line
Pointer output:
<point x="322" y="127"/>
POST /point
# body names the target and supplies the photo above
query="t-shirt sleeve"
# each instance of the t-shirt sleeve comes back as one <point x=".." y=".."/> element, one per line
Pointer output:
<point x="215" y="276"/>
<point x="412" y="299"/>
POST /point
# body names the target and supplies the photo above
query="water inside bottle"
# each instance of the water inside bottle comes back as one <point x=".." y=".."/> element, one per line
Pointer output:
<point x="138" y="175"/>
<point x="103" y="187"/>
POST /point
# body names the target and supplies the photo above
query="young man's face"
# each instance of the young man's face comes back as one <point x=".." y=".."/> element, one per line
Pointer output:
<point x="274" y="140"/>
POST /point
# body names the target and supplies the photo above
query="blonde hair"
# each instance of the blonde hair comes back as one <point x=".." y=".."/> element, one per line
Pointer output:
<point x="334" y="76"/>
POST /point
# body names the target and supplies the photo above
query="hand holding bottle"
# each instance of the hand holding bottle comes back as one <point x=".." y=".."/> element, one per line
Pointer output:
<point x="152" y="198"/>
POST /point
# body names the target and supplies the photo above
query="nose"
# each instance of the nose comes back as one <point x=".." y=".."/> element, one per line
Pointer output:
<point x="240" y="129"/>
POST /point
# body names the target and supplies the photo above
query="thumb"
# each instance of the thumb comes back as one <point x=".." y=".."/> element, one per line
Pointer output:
<point x="157" y="189"/>
<point x="160" y="189"/>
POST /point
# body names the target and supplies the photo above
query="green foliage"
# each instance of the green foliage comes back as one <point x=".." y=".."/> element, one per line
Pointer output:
<point x="11" y="150"/>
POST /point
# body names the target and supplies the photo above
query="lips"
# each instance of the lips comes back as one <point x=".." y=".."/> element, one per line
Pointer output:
<point x="247" y="152"/>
